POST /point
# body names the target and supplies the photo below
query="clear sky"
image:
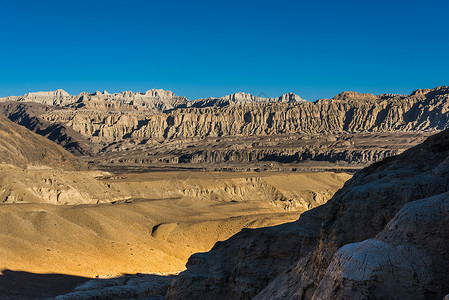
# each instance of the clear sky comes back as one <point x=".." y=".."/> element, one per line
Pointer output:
<point x="212" y="48"/>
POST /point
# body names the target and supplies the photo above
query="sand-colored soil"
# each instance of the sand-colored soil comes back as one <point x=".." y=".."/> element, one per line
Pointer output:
<point x="153" y="234"/>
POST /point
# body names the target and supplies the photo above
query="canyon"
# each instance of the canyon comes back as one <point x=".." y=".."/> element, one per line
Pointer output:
<point x="61" y="216"/>
<point x="263" y="198"/>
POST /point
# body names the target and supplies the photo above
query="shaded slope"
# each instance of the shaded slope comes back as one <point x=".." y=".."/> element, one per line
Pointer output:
<point x="32" y="286"/>
<point x="23" y="148"/>
<point x="406" y="260"/>
<point x="290" y="260"/>
<point x="27" y="115"/>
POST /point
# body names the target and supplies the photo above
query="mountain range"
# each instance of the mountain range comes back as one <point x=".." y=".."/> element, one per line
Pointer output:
<point x="239" y="131"/>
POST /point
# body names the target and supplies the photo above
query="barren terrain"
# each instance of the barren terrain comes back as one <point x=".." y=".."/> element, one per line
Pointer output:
<point x="148" y="183"/>
<point x="155" y="234"/>
<point x="59" y="217"/>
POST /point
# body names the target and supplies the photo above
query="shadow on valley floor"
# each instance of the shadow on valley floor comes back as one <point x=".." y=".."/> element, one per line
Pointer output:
<point x="26" y="285"/>
<point x="22" y="285"/>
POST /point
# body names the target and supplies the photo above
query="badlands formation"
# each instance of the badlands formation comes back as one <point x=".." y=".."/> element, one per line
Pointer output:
<point x="59" y="216"/>
<point x="77" y="201"/>
<point x="159" y="130"/>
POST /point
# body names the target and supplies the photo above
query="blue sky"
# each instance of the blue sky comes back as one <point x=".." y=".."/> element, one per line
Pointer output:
<point x="212" y="48"/>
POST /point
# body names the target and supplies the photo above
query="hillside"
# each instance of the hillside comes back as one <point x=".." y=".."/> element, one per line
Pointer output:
<point x="382" y="235"/>
<point x="23" y="148"/>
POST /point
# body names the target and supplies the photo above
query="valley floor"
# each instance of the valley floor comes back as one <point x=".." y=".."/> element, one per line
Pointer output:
<point x="189" y="213"/>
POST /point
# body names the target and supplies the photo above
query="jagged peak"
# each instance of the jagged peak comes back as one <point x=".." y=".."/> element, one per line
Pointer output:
<point x="152" y="92"/>
<point x="391" y="95"/>
<point x="242" y="96"/>
<point x="239" y="97"/>
<point x="420" y="92"/>
<point x="291" y="97"/>
<point x="438" y="89"/>
<point x="158" y="92"/>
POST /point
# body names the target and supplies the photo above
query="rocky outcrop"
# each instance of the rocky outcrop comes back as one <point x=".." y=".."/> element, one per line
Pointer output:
<point x="139" y="286"/>
<point x="244" y="98"/>
<point x="285" y="155"/>
<point x="57" y="98"/>
<point x="153" y="100"/>
<point x="403" y="258"/>
<point x="295" y="156"/>
<point x="295" y="260"/>
<point x="248" y="98"/>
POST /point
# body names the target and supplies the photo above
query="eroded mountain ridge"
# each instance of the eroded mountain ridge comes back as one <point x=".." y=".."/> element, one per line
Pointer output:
<point x="162" y="129"/>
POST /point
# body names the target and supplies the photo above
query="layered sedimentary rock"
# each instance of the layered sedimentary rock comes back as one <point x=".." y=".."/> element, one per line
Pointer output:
<point x="153" y="100"/>
<point x="427" y="110"/>
<point x="36" y="170"/>
<point x="58" y="97"/>
<point x="395" y="210"/>
<point x="242" y="98"/>
<point x="89" y="124"/>
<point x="265" y="152"/>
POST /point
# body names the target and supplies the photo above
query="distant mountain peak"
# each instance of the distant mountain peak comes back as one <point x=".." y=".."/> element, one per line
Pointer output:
<point x="58" y="92"/>
<point x="249" y="98"/>
<point x="349" y="95"/>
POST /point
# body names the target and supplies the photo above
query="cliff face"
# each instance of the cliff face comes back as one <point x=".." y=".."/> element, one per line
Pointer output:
<point x="421" y="111"/>
<point x="153" y="100"/>
<point x="103" y="123"/>
<point x="261" y="152"/>
<point x="308" y="259"/>
<point x="242" y="98"/>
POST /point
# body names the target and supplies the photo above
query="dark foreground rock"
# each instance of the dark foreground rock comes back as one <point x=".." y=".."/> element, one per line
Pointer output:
<point x="139" y="286"/>
<point x="396" y="213"/>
